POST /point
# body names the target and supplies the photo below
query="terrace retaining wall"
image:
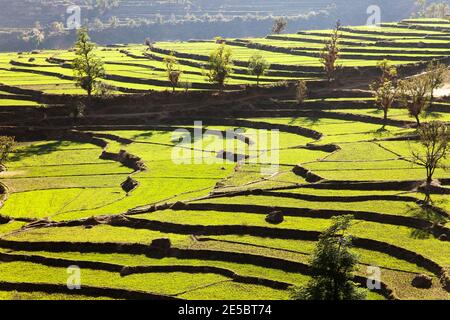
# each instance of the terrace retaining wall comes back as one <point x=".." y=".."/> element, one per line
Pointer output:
<point x="268" y="262"/>
<point x="85" y="290"/>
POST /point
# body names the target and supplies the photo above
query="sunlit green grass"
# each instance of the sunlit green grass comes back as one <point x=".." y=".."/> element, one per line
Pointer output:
<point x="154" y="282"/>
<point x="68" y="181"/>
<point x="134" y="62"/>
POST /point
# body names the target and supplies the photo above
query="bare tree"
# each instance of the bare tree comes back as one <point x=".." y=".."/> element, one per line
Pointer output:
<point x="437" y="73"/>
<point x="385" y="89"/>
<point x="36" y="36"/>
<point x="173" y="70"/>
<point x="57" y="27"/>
<point x="103" y="6"/>
<point x="279" y="25"/>
<point x="433" y="10"/>
<point x="148" y="42"/>
<point x="330" y="53"/>
<point x="421" y="6"/>
<point x="415" y="95"/>
<point x="434" y="140"/>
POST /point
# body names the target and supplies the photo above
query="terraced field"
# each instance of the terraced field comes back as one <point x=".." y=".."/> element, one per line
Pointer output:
<point x="135" y="69"/>
<point x="98" y="193"/>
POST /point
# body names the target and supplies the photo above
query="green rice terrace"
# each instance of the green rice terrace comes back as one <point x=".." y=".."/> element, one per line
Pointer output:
<point x="103" y="192"/>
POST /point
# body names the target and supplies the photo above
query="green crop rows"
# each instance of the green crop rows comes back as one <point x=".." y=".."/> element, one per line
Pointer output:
<point x="134" y="68"/>
<point x="92" y="221"/>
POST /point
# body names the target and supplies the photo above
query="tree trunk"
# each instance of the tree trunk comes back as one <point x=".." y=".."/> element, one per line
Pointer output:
<point x="427" y="199"/>
<point x="418" y="120"/>
<point x="385" y="116"/>
<point x="89" y="93"/>
<point x="429" y="176"/>
<point x="335" y="290"/>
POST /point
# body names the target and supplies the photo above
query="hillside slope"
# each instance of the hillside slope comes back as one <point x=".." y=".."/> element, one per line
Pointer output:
<point x="150" y="204"/>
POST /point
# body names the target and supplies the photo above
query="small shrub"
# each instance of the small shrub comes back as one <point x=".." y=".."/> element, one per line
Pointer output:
<point x="104" y="90"/>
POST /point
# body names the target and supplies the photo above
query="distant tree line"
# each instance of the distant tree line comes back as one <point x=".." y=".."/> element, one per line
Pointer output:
<point x="431" y="10"/>
<point x="114" y="30"/>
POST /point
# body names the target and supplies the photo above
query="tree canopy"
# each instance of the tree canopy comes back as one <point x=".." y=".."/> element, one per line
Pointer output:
<point x="220" y="65"/>
<point x="333" y="266"/>
<point x="88" y="68"/>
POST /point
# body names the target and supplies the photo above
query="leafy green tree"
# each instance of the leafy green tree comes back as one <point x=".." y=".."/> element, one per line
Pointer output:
<point x="385" y="90"/>
<point x="88" y="68"/>
<point x="220" y="65"/>
<point x="333" y="266"/>
<point x="435" y="146"/>
<point x="388" y="71"/>
<point x="258" y="66"/>
<point x="6" y="145"/>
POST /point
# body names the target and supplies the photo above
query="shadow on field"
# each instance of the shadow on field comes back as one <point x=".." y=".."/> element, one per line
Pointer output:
<point x="432" y="115"/>
<point x="381" y="132"/>
<point x="310" y="120"/>
<point x="148" y="134"/>
<point x="35" y="150"/>
<point x="424" y="213"/>
<point x="376" y="111"/>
